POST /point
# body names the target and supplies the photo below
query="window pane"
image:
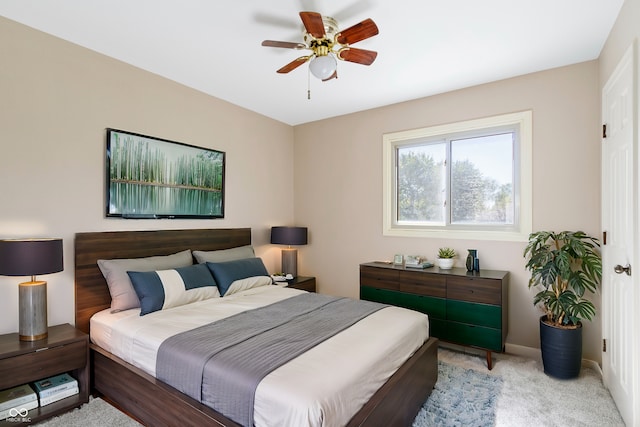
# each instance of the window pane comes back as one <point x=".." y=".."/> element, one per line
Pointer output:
<point x="482" y="180"/>
<point x="421" y="183"/>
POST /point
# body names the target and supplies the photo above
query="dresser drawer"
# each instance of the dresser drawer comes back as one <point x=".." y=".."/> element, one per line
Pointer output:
<point x="380" y="295"/>
<point x="434" y="307"/>
<point x="487" y="291"/>
<point x="44" y="363"/>
<point x="382" y="278"/>
<point x="475" y="313"/>
<point x="476" y="336"/>
<point x="423" y="284"/>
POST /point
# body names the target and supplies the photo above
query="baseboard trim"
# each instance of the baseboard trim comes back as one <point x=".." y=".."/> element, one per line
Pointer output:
<point x="516" y="350"/>
<point x="523" y="351"/>
<point x="534" y="353"/>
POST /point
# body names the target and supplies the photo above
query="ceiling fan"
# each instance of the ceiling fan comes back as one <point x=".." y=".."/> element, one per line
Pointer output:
<point x="326" y="43"/>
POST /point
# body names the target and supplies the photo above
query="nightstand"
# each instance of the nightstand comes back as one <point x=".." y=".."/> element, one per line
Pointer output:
<point x="301" y="282"/>
<point x="66" y="349"/>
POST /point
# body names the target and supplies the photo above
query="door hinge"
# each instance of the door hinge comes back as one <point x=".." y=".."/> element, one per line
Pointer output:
<point x="604" y="130"/>
<point x="604" y="345"/>
<point x="604" y="237"/>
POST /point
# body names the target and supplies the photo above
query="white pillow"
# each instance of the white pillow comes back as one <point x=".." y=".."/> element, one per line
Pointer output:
<point x="123" y="296"/>
<point x="224" y="255"/>
<point x="248" y="283"/>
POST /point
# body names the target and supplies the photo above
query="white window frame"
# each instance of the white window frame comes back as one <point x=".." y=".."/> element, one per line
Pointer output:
<point x="522" y="167"/>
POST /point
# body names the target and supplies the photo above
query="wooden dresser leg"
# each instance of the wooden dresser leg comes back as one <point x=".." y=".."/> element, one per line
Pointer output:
<point x="489" y="362"/>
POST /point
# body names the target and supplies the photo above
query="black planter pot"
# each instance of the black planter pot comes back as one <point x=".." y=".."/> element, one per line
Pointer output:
<point x="561" y="350"/>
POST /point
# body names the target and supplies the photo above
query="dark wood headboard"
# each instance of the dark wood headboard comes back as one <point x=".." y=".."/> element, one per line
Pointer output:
<point x="91" y="291"/>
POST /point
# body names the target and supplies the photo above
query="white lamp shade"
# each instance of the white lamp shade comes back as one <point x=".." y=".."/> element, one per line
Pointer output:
<point x="323" y="67"/>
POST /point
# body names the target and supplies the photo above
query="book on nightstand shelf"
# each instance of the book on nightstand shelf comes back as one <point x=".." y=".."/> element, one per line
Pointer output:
<point x="20" y="397"/>
<point x="18" y="409"/>
<point x="54" y="385"/>
<point x="46" y="400"/>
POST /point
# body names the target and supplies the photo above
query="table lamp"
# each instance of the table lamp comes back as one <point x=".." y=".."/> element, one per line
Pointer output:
<point x="30" y="257"/>
<point x="289" y="236"/>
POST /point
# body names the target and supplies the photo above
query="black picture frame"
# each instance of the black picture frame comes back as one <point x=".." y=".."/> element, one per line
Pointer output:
<point x="154" y="178"/>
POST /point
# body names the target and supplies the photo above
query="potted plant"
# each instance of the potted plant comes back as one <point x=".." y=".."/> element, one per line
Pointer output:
<point x="445" y="258"/>
<point x="563" y="266"/>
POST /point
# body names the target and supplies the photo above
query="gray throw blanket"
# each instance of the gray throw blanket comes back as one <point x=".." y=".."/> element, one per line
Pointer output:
<point x="221" y="364"/>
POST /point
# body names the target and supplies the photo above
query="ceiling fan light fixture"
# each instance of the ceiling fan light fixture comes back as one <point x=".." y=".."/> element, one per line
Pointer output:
<point x="323" y="67"/>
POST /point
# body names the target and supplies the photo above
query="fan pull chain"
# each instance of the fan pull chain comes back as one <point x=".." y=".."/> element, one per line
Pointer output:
<point x="308" y="83"/>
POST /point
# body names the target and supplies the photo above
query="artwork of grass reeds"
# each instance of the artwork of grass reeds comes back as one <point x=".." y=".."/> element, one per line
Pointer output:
<point x="150" y="177"/>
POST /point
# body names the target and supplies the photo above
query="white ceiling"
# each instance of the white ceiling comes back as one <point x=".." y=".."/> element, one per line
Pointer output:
<point x="424" y="47"/>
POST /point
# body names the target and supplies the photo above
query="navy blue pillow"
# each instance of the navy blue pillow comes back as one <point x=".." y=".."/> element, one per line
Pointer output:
<point x="228" y="272"/>
<point x="162" y="289"/>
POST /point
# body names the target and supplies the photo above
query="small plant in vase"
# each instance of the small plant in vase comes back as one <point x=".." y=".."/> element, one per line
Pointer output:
<point x="445" y="258"/>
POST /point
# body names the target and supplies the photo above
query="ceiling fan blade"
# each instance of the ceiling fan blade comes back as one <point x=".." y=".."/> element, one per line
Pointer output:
<point x="285" y="45"/>
<point x="359" y="56"/>
<point x="358" y="32"/>
<point x="313" y="23"/>
<point x="293" y="64"/>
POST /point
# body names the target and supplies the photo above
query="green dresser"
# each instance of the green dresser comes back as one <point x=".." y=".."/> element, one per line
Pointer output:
<point x="464" y="308"/>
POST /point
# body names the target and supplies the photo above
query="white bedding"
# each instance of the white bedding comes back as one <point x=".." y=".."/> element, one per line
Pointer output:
<point x="354" y="363"/>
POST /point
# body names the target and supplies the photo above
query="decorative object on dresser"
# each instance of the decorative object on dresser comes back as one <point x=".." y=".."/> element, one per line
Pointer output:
<point x="290" y="236"/>
<point x="473" y="263"/>
<point x="31" y="257"/>
<point x="445" y="258"/>
<point x="469" y="309"/>
<point x="417" y="261"/>
<point x="563" y="267"/>
<point x="64" y="351"/>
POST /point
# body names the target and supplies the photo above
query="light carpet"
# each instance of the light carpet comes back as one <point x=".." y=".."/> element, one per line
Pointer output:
<point x="528" y="397"/>
<point x="96" y="413"/>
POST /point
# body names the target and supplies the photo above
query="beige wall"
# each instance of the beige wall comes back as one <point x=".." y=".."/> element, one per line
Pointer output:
<point x="338" y="182"/>
<point x="56" y="99"/>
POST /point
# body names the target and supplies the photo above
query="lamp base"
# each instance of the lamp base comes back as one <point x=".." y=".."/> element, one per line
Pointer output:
<point x="32" y="302"/>
<point x="290" y="261"/>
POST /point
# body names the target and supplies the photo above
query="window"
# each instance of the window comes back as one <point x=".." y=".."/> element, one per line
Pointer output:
<point x="464" y="180"/>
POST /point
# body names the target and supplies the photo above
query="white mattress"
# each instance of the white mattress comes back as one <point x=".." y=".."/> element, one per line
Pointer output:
<point x="355" y="362"/>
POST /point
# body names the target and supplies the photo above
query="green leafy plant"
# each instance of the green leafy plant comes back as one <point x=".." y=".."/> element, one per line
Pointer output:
<point x="446" y="253"/>
<point x="564" y="266"/>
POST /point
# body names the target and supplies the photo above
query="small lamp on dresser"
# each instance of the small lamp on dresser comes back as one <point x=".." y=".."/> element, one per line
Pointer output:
<point x="290" y="236"/>
<point x="31" y="257"/>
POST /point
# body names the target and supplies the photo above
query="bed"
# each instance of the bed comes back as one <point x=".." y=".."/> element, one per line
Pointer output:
<point x="136" y="390"/>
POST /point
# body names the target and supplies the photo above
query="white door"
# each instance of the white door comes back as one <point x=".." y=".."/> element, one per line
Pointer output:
<point x="618" y="224"/>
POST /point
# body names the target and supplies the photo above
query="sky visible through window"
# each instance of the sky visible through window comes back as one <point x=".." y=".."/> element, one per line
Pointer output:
<point x="493" y="155"/>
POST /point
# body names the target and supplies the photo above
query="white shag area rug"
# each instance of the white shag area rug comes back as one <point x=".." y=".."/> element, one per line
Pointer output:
<point x="528" y="397"/>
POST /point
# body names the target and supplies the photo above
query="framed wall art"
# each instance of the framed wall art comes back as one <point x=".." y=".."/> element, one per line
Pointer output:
<point x="149" y="177"/>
